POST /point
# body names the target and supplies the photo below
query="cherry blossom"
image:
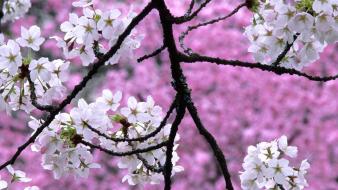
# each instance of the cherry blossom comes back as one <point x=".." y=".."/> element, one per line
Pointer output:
<point x="31" y="38"/>
<point x="288" y="150"/>
<point x="107" y="22"/>
<point x="17" y="175"/>
<point x="10" y="57"/>
<point x="110" y="101"/>
<point x="135" y="111"/>
<point x="42" y="68"/>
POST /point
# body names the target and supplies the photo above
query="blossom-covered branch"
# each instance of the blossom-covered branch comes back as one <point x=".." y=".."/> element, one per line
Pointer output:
<point x="83" y="83"/>
<point x="137" y="132"/>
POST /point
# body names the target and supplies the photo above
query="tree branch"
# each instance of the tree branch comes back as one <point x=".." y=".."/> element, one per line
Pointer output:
<point x="169" y="42"/>
<point x="285" y="51"/>
<point x="277" y="70"/>
<point x="154" y="53"/>
<point x="213" y="144"/>
<point x="2" y="2"/>
<point x="168" y="166"/>
<point x="191" y="6"/>
<point x="187" y="18"/>
<point x="127" y="153"/>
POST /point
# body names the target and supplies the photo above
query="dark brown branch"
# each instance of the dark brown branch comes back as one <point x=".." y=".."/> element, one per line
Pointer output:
<point x="187" y="18"/>
<point x="280" y="187"/>
<point x="168" y="166"/>
<point x="194" y="27"/>
<point x="183" y="91"/>
<point x="2" y="2"/>
<point x="277" y="70"/>
<point x="127" y="153"/>
<point x="191" y="6"/>
<point x="179" y="80"/>
<point x="83" y="83"/>
<point x="145" y="137"/>
<point x="213" y="144"/>
<point x="154" y="53"/>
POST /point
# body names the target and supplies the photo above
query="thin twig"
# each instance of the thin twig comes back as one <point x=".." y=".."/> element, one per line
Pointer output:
<point x="191" y="6"/>
<point x="213" y="144"/>
<point x="2" y="2"/>
<point x="194" y="27"/>
<point x="127" y="153"/>
<point x="154" y="53"/>
<point x="170" y="146"/>
<point x="186" y="18"/>
<point x="285" y="51"/>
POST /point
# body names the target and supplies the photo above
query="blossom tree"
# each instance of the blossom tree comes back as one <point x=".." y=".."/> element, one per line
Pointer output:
<point x="284" y="36"/>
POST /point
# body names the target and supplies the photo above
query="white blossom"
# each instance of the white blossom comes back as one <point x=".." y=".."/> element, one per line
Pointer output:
<point x="41" y="68"/>
<point x="17" y="175"/>
<point x="31" y="38"/>
<point x="107" y="22"/>
<point x="109" y="100"/>
<point x="288" y="150"/>
<point x="10" y="57"/>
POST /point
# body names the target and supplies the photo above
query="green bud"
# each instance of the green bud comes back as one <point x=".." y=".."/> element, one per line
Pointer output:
<point x="117" y="118"/>
<point x="26" y="60"/>
<point x="305" y="5"/>
<point x="97" y="17"/>
<point x="253" y="5"/>
<point x="67" y="134"/>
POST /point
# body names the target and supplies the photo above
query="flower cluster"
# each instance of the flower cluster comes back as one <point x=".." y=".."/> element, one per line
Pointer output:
<point x="265" y="167"/>
<point x="85" y="35"/>
<point x="63" y="150"/>
<point x="18" y="65"/>
<point x="14" y="9"/>
<point x="308" y="26"/>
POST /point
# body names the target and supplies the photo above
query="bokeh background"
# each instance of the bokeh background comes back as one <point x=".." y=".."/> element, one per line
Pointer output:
<point x="239" y="106"/>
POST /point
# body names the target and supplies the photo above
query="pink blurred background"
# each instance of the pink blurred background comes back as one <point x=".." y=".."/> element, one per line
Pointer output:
<point x="239" y="106"/>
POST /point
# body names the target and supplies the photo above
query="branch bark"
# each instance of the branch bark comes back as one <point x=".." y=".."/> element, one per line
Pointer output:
<point x="277" y="70"/>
